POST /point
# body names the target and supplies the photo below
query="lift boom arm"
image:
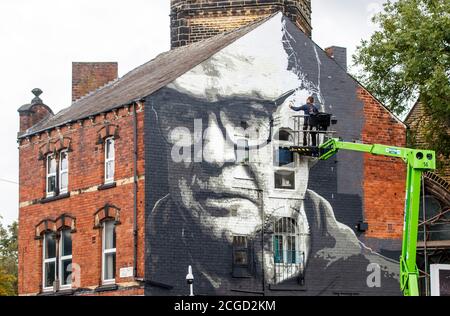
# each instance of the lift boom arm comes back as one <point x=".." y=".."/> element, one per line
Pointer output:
<point x="417" y="161"/>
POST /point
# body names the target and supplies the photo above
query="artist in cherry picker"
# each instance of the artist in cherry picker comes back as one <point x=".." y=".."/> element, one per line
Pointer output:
<point x="309" y="110"/>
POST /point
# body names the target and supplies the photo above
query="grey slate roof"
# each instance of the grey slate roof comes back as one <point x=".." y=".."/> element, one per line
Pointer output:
<point x="143" y="80"/>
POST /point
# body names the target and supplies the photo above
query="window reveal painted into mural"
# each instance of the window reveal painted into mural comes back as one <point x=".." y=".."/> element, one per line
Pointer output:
<point x="283" y="161"/>
<point x="240" y="251"/>
<point x="284" y="135"/>
<point x="242" y="257"/>
<point x="242" y="152"/>
<point x="285" y="179"/>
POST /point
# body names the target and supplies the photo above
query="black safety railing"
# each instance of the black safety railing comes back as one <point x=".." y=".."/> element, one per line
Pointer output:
<point x="290" y="267"/>
<point x="312" y="130"/>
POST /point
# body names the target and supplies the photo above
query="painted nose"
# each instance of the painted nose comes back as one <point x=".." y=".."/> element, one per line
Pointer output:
<point x="216" y="149"/>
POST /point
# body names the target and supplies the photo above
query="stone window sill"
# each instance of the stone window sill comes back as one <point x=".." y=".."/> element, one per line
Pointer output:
<point x="66" y="292"/>
<point x="107" y="186"/>
<point x="54" y="198"/>
<point x="106" y="288"/>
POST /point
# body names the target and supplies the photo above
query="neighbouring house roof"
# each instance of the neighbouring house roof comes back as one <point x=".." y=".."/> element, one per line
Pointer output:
<point x="416" y="110"/>
<point x="143" y="80"/>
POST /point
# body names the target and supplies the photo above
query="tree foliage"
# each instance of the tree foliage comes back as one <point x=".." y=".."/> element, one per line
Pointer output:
<point x="408" y="59"/>
<point x="8" y="259"/>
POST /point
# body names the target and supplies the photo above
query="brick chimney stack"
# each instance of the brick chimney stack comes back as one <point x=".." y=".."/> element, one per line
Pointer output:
<point x="87" y="77"/>
<point x="34" y="112"/>
<point x="195" y="20"/>
<point x="339" y="54"/>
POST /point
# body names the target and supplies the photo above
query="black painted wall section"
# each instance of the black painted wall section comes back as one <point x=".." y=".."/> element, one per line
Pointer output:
<point x="178" y="234"/>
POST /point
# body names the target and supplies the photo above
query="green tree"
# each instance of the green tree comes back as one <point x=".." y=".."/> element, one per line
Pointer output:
<point x="408" y="59"/>
<point x="8" y="259"/>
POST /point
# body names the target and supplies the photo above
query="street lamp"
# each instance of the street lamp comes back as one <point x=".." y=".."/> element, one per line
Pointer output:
<point x="190" y="281"/>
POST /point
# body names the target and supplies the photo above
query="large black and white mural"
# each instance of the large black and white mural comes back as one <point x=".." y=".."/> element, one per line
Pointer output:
<point x="227" y="198"/>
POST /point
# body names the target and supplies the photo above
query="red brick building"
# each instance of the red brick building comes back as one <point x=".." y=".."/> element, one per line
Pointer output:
<point x="76" y="179"/>
<point x="84" y="172"/>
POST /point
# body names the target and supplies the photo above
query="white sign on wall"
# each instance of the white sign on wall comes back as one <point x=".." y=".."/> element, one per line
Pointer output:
<point x="440" y="279"/>
<point x="126" y="272"/>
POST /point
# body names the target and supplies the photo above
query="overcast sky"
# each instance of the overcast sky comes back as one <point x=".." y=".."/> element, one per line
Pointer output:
<point x="40" y="39"/>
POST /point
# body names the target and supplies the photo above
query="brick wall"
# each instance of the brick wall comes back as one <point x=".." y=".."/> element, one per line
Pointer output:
<point x="194" y="20"/>
<point x="384" y="177"/>
<point x="86" y="77"/>
<point x="36" y="114"/>
<point x="86" y="174"/>
<point x="415" y="120"/>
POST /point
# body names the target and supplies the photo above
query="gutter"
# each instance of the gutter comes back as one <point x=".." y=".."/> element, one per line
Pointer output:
<point x="135" y="184"/>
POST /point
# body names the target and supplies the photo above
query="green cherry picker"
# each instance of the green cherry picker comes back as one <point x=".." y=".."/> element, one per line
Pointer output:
<point x="417" y="161"/>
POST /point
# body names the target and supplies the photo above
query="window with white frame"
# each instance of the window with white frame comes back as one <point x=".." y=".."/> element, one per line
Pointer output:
<point x="109" y="252"/>
<point x="288" y="253"/>
<point x="63" y="171"/>
<point x="109" y="160"/>
<point x="65" y="259"/>
<point x="51" y="175"/>
<point x="285" y="241"/>
<point x="49" y="261"/>
<point x="284" y="161"/>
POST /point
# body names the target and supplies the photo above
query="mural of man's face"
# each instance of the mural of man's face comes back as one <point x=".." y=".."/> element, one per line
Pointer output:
<point x="212" y="192"/>
<point x="210" y="173"/>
